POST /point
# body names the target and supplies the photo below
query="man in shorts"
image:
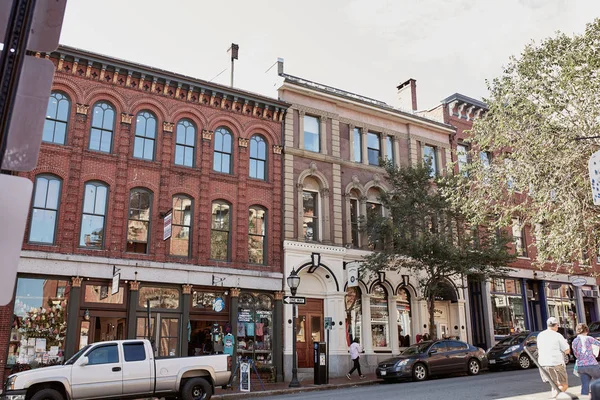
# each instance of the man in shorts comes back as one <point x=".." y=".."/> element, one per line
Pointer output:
<point x="551" y="347"/>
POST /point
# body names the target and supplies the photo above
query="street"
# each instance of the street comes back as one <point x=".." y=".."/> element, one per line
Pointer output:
<point x="514" y="385"/>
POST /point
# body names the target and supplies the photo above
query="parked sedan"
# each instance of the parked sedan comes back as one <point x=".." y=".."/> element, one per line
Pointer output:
<point x="509" y="352"/>
<point x="436" y="357"/>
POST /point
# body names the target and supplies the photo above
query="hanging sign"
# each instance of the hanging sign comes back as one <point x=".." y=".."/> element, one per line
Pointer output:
<point x="578" y="281"/>
<point x="167" y="226"/>
<point x="352" y="275"/>
<point x="594" y="170"/>
<point x="244" y="377"/>
<point x="115" y="283"/>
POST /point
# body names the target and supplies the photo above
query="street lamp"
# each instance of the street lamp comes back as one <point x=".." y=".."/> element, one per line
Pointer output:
<point x="293" y="282"/>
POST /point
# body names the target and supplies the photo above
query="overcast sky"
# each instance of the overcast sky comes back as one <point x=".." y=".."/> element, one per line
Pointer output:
<point x="363" y="46"/>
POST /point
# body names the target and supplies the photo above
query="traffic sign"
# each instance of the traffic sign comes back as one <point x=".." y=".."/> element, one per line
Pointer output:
<point x="294" y="300"/>
<point x="329" y="323"/>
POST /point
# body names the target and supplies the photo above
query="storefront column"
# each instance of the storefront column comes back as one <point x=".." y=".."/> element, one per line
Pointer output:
<point x="488" y="320"/>
<point x="134" y="297"/>
<point x="543" y="303"/>
<point x="393" y="311"/>
<point x="186" y="291"/>
<point x="528" y="321"/>
<point x="278" y="336"/>
<point x="366" y="332"/>
<point x="466" y="328"/>
<point x="580" y="306"/>
<point x="73" y="317"/>
<point x="233" y="320"/>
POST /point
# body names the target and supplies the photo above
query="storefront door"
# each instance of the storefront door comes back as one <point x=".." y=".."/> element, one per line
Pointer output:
<point x="164" y="329"/>
<point x="102" y="326"/>
<point x="310" y="329"/>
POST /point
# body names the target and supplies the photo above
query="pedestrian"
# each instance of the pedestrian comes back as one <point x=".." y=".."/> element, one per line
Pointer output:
<point x="587" y="365"/>
<point x="552" y="347"/>
<point x="355" y="356"/>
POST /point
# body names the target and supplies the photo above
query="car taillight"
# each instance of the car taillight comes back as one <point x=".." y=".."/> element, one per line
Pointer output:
<point x="228" y="363"/>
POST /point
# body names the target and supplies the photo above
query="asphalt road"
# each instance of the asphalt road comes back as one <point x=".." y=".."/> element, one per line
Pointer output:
<point x="514" y="385"/>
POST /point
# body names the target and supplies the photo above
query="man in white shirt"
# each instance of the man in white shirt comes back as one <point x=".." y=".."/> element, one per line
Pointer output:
<point x="354" y="355"/>
<point x="551" y="349"/>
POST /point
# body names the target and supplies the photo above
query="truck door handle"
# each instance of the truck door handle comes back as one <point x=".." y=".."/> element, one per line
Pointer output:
<point x="116" y="369"/>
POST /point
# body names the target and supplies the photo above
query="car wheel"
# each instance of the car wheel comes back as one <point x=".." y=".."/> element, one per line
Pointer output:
<point x="420" y="372"/>
<point x="47" y="394"/>
<point x="474" y="367"/>
<point x="567" y="358"/>
<point x="196" y="389"/>
<point x="524" y="362"/>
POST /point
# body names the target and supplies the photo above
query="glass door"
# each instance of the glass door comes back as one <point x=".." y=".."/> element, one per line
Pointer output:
<point x="164" y="329"/>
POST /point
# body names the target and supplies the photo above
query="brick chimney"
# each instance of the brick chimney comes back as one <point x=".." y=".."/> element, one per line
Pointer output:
<point x="407" y="95"/>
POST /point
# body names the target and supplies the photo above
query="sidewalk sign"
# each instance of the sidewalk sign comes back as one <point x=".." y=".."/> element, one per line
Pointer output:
<point x="244" y="377"/>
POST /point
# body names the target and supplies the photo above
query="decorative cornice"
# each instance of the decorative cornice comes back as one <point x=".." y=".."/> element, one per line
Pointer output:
<point x="363" y="126"/>
<point x="186" y="289"/>
<point x="277" y="149"/>
<point x="243" y="142"/>
<point x="82" y="108"/>
<point x="126" y="118"/>
<point x="76" y="281"/>
<point x="168" y="126"/>
<point x="134" y="285"/>
<point x="314" y="111"/>
<point x="206" y="134"/>
<point x="234" y="292"/>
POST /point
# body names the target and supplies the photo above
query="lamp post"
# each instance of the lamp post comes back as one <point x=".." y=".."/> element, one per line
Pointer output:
<point x="293" y="282"/>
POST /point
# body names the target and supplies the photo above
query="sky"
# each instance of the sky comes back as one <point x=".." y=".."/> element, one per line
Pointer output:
<point x="363" y="46"/>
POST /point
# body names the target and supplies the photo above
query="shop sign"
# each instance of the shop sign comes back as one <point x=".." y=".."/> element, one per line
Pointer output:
<point x="167" y="226"/>
<point x="244" y="316"/>
<point x="500" y="301"/>
<point x="115" y="283"/>
<point x="244" y="377"/>
<point x="353" y="275"/>
<point x="578" y="281"/>
<point x="218" y="304"/>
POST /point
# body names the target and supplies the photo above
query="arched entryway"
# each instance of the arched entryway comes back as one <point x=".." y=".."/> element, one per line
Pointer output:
<point x="446" y="295"/>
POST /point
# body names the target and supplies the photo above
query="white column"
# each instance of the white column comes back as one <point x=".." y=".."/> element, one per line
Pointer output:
<point x="394" y="343"/>
<point x="384" y="149"/>
<point x="366" y="337"/>
<point x="487" y="314"/>
<point x="580" y="306"/>
<point x="468" y="330"/>
<point x="397" y="151"/>
<point x="365" y="154"/>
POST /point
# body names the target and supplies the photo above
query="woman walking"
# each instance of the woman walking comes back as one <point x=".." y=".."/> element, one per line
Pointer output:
<point x="587" y="365"/>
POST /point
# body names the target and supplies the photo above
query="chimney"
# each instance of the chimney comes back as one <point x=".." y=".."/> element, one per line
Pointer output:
<point x="408" y="100"/>
<point x="280" y="66"/>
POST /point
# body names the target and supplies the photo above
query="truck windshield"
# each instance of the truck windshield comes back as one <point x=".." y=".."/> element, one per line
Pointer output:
<point x="77" y="355"/>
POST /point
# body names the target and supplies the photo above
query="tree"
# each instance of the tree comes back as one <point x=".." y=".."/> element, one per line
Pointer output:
<point x="424" y="233"/>
<point x="538" y="108"/>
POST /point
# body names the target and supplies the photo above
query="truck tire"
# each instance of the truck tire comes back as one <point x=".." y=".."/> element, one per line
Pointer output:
<point x="196" y="389"/>
<point x="47" y="394"/>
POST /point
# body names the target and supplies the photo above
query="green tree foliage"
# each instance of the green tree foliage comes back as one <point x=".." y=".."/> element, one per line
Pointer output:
<point x="424" y="233"/>
<point x="545" y="99"/>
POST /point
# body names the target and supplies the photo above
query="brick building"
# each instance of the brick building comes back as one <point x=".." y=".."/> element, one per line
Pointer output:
<point x="172" y="182"/>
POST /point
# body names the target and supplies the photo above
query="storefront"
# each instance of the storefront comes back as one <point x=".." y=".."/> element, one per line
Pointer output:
<point x="562" y="305"/>
<point x="508" y="312"/>
<point x="209" y="322"/>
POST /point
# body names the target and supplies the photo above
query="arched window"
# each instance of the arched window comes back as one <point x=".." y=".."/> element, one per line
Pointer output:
<point x="220" y="227"/>
<point x="185" y="143"/>
<point x="103" y="125"/>
<point x="93" y="216"/>
<point x="353" y="300"/>
<point x="380" y="316"/>
<point x="223" y="149"/>
<point x="44" y="213"/>
<point x="258" y="157"/>
<point x="181" y="226"/>
<point x="257" y="223"/>
<point x="404" y="317"/>
<point x="57" y="118"/>
<point x="138" y="225"/>
<point x="145" y="135"/>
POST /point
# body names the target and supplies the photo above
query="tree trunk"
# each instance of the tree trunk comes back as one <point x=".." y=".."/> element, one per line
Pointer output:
<point x="431" y="306"/>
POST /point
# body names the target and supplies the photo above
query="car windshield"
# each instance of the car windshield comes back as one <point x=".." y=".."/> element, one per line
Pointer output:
<point x="512" y="340"/>
<point x="594" y="326"/>
<point x="416" y="349"/>
<point x="77" y="355"/>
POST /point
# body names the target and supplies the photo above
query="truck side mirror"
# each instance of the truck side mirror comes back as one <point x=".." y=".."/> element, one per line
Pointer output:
<point x="84" y="361"/>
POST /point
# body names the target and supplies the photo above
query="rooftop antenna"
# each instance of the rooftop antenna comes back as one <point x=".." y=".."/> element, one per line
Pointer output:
<point x="234" y="56"/>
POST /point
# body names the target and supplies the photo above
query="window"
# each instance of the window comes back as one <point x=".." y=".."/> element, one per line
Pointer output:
<point x="169" y="337"/>
<point x="44" y="214"/>
<point x="454" y="345"/>
<point x="181" y="226"/>
<point x="108" y="354"/>
<point x="404" y="317"/>
<point x="223" y="149"/>
<point x="257" y="223"/>
<point x="519" y="239"/>
<point x="138" y="226"/>
<point x="185" y="143"/>
<point x="439" y="347"/>
<point x="354" y="212"/>
<point x="462" y="152"/>
<point x="380" y="316"/>
<point x="486" y="158"/>
<point x="430" y="158"/>
<point x="562" y="304"/>
<point x="94" y="212"/>
<point x="164" y="298"/>
<point x="357" y="145"/>
<point x="145" y="135"/>
<point x="103" y="122"/>
<point x="57" y="118"/>
<point x="312" y="135"/>
<point x="373" y="148"/>
<point x="134" y="351"/>
<point x="374" y="211"/>
<point x="258" y="157"/>
<point x="353" y="300"/>
<point x="219" y="235"/>
<point x="389" y="143"/>
<point x="311" y="218"/>
<point x="255" y="328"/>
<point x="507" y="306"/>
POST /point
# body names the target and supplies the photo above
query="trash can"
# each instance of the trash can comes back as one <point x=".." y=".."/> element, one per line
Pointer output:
<point x="320" y="361"/>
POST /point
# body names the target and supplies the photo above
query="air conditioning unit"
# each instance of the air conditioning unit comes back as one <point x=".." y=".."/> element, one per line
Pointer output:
<point x="530" y="294"/>
<point x="588" y="293"/>
<point x="595" y="293"/>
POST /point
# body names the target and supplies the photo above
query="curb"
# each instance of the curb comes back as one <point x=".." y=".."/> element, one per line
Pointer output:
<point x="276" y="392"/>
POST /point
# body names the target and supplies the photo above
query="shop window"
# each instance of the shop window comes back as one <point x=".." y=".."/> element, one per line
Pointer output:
<point x="37" y="337"/>
<point x="404" y="317"/>
<point x="104" y="355"/>
<point x="134" y="352"/>
<point x="257" y="223"/>
<point x="57" y="118"/>
<point x="258" y="157"/>
<point x="209" y="301"/>
<point x="102" y="294"/>
<point x="93" y="218"/>
<point x="138" y="226"/>
<point x="44" y="213"/>
<point x="103" y="125"/>
<point x="219" y="235"/>
<point x="185" y="143"/>
<point x="145" y="136"/>
<point x="181" y="226"/>
<point x="560" y="298"/>
<point x="223" y="150"/>
<point x="255" y="328"/>
<point x="310" y="204"/>
<point x="380" y="316"/>
<point x="159" y="297"/>
<point x="507" y="306"/>
<point x="353" y="300"/>
<point x="169" y="337"/>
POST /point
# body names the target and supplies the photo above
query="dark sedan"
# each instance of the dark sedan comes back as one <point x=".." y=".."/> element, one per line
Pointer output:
<point x="437" y="357"/>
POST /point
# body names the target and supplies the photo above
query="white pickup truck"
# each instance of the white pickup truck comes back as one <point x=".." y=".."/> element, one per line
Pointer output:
<point x="118" y="370"/>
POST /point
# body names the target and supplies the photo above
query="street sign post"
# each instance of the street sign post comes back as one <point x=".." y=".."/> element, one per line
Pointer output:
<point x="294" y="300"/>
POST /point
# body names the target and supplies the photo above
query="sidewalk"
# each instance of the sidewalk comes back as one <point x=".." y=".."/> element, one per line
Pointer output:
<point x="272" y="389"/>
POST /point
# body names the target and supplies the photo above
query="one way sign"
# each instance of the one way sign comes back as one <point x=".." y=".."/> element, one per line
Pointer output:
<point x="294" y="300"/>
